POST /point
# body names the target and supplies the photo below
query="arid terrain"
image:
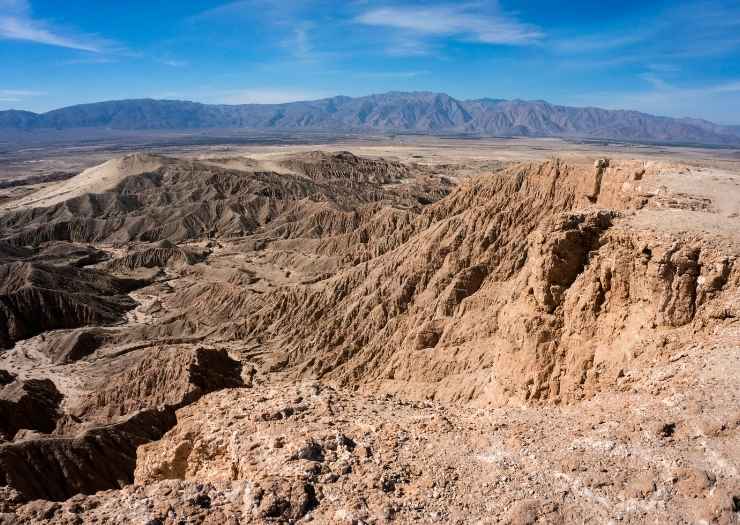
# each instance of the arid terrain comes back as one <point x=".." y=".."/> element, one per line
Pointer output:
<point x="413" y="330"/>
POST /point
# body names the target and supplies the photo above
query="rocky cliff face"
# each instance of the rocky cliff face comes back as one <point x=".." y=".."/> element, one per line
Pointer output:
<point x="95" y="441"/>
<point x="520" y="283"/>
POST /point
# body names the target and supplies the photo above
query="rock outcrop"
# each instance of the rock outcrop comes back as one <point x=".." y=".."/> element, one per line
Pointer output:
<point x="57" y="468"/>
<point x="310" y="453"/>
<point x="96" y="442"/>
<point x="168" y="376"/>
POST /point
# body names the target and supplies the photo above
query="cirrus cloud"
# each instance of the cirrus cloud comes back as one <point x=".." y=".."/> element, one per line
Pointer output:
<point x="462" y="21"/>
<point x="17" y="23"/>
<point x="16" y="95"/>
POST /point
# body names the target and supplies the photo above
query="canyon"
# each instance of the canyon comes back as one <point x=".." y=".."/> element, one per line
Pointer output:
<point x="371" y="332"/>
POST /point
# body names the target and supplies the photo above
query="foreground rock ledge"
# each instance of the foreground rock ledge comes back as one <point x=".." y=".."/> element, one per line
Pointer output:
<point x="311" y="453"/>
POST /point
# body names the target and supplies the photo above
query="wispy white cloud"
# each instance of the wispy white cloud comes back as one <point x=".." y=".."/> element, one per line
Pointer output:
<point x="17" y="95"/>
<point x="409" y="46"/>
<point x="662" y="37"/>
<point x="660" y="86"/>
<point x="277" y="10"/>
<point x="663" y="68"/>
<point x="173" y="62"/>
<point x="656" y="82"/>
<point x="727" y="87"/>
<point x="17" y="23"/>
<point x="299" y="44"/>
<point x="717" y="101"/>
<point x="290" y="27"/>
<point x="303" y="46"/>
<point x="392" y="74"/>
<point x="229" y="9"/>
<point x="91" y="59"/>
<point x="462" y="21"/>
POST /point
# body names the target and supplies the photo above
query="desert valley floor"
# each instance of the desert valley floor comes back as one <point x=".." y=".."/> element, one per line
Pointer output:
<point x="401" y="331"/>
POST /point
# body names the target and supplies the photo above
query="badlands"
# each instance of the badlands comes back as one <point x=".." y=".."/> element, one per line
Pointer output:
<point x="418" y="331"/>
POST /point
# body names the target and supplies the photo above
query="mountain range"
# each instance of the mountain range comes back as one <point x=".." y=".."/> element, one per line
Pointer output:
<point x="394" y="112"/>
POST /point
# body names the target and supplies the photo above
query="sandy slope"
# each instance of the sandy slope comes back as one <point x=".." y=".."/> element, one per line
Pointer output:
<point x="97" y="179"/>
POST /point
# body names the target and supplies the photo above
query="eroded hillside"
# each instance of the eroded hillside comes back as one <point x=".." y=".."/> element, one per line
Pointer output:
<point x="345" y="339"/>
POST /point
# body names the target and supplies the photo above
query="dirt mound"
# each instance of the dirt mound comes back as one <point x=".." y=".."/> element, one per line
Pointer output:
<point x="345" y="166"/>
<point x="35" y="297"/>
<point x="56" y="253"/>
<point x="31" y="404"/>
<point x="161" y="254"/>
<point x="98" y="179"/>
<point x="65" y="253"/>
<point x="68" y="346"/>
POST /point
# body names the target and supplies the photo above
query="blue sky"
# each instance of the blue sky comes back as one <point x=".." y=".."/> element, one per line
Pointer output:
<point x="677" y="58"/>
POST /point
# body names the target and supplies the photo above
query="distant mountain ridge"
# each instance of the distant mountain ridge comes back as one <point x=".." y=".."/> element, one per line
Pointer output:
<point x="417" y="112"/>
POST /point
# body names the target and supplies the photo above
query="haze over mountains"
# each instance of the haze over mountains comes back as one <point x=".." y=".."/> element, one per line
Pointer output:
<point x="417" y="112"/>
